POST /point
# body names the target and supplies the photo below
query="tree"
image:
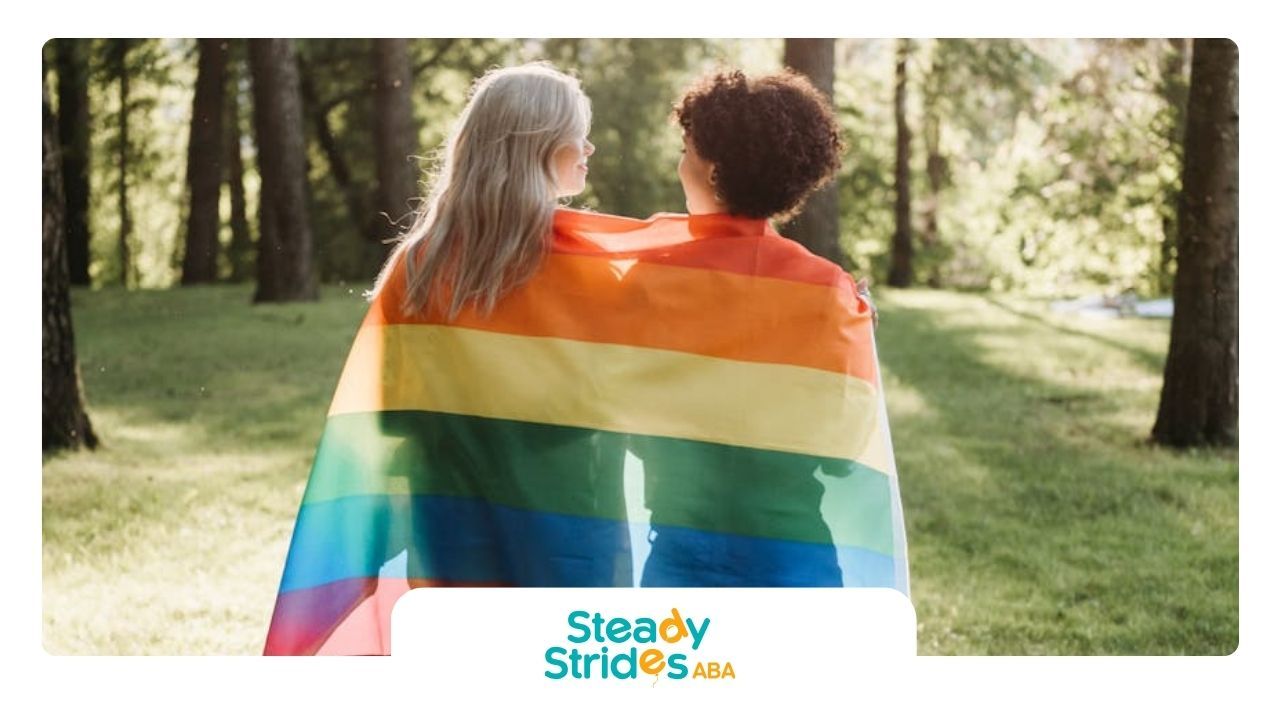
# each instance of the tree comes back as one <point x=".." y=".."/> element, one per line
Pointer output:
<point x="64" y="420"/>
<point x="240" y="252"/>
<point x="935" y="85"/>
<point x="73" y="138"/>
<point x="1199" y="403"/>
<point x="900" y="271"/>
<point x="395" y="140"/>
<point x="117" y="66"/>
<point x="204" y="164"/>
<point x="818" y="225"/>
<point x="285" y="247"/>
<point x="128" y="76"/>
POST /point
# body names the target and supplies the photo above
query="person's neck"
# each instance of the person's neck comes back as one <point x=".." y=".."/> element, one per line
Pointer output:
<point x="705" y="206"/>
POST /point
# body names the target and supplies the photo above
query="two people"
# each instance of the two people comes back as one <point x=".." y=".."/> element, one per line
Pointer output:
<point x="542" y="396"/>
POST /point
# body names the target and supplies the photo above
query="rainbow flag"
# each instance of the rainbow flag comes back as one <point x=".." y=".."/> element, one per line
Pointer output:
<point x="678" y="401"/>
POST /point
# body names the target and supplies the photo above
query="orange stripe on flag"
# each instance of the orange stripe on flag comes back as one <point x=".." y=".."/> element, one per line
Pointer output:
<point x="705" y="312"/>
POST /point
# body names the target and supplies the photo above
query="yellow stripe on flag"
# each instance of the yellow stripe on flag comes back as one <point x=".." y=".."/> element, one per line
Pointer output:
<point x="619" y="388"/>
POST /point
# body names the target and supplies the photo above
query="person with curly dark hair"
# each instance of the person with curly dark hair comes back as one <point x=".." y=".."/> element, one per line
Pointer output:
<point x="756" y="147"/>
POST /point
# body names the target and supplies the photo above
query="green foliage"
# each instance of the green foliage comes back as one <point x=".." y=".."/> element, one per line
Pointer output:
<point x="1074" y="199"/>
<point x="342" y="71"/>
<point x="632" y="85"/>
<point x="864" y="104"/>
<point x="1058" y="160"/>
<point x="161" y="80"/>
<point x="1099" y="185"/>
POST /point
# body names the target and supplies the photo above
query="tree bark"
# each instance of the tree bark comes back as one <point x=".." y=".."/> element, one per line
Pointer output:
<point x="395" y="137"/>
<point x="285" y="251"/>
<point x="240" y="251"/>
<point x="900" y="271"/>
<point x="935" y="164"/>
<point x="935" y="170"/>
<point x="817" y="227"/>
<point x="73" y="137"/>
<point x="64" y="420"/>
<point x="1199" y="403"/>
<point x="204" y="164"/>
<point x="120" y="52"/>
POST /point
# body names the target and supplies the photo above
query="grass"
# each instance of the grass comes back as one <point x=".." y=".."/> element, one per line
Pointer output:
<point x="1039" y="521"/>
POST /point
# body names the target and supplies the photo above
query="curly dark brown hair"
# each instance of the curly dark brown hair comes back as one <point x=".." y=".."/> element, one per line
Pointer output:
<point x="773" y="140"/>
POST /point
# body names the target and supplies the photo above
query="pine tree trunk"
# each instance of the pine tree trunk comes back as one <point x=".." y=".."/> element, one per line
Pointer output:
<point x="935" y="170"/>
<point x="241" y="250"/>
<point x="65" y="423"/>
<point x="395" y="137"/>
<point x="900" y="272"/>
<point x="204" y="164"/>
<point x="1199" y="403"/>
<point x="73" y="137"/>
<point x="285" y="251"/>
<point x="122" y="158"/>
<point x="935" y="165"/>
<point x="818" y="225"/>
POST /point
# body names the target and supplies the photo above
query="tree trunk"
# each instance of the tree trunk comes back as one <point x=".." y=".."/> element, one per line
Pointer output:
<point x="1200" y="400"/>
<point x="935" y="165"/>
<point x="285" y="250"/>
<point x="935" y="169"/>
<point x="121" y="70"/>
<point x="65" y="423"/>
<point x="204" y="164"/>
<point x="900" y="273"/>
<point x="395" y="137"/>
<point x="818" y="225"/>
<point x="73" y="137"/>
<point x="241" y="250"/>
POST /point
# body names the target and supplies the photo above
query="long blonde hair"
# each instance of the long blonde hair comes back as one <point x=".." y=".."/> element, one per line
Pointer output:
<point x="484" y="227"/>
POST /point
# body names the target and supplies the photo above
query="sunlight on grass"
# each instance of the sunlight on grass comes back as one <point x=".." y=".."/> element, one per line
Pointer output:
<point x="171" y="537"/>
<point x="1039" y="520"/>
<point x="903" y="401"/>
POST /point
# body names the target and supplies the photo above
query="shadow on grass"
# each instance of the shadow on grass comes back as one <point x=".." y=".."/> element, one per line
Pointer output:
<point x="1034" y="527"/>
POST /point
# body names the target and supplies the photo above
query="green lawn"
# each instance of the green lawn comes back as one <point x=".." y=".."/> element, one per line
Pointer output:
<point x="1038" y="519"/>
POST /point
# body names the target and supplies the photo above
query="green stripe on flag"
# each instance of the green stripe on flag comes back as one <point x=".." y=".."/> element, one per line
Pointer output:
<point x="575" y="471"/>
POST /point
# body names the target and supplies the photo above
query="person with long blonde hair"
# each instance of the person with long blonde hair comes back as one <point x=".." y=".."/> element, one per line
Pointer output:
<point x="394" y="496"/>
<point x="519" y="145"/>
